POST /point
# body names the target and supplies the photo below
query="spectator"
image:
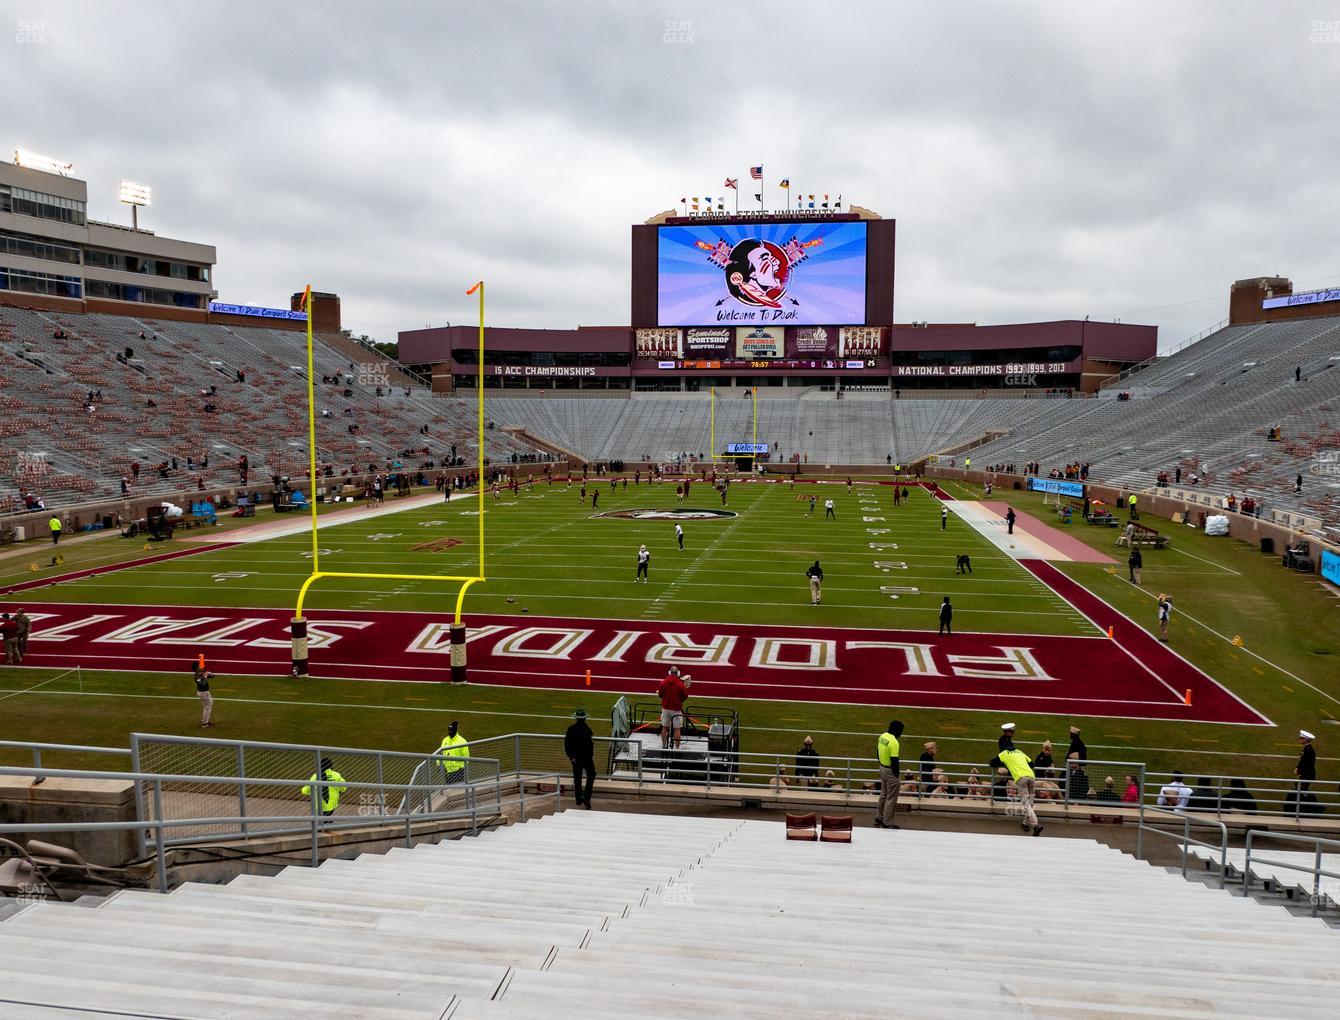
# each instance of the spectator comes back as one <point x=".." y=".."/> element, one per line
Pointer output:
<point x="779" y="782"/>
<point x="673" y="692"/>
<point x="1077" y="778"/>
<point x="977" y="789"/>
<point x="1136" y="564"/>
<point x="830" y="780"/>
<point x="1239" y="798"/>
<point x="1077" y="747"/>
<point x="1175" y="795"/>
<point x="1109" y="791"/>
<point x="807" y="764"/>
<point x="927" y="765"/>
<point x="1043" y="763"/>
<point x="579" y="744"/>
<point x="1203" y="797"/>
<point x="909" y="784"/>
<point x="1131" y="795"/>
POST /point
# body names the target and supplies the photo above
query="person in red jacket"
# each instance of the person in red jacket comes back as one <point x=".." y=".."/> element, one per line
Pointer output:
<point x="673" y="692"/>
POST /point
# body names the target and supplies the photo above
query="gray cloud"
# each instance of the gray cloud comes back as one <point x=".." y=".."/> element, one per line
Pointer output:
<point x="1043" y="160"/>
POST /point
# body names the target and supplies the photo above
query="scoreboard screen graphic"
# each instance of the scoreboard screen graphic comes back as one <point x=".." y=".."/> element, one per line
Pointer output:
<point x="762" y="274"/>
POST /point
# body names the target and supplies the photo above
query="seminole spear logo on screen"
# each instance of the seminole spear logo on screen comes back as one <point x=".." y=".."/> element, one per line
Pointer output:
<point x="777" y="273"/>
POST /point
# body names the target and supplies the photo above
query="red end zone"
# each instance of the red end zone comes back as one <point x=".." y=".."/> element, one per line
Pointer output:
<point x="1085" y="676"/>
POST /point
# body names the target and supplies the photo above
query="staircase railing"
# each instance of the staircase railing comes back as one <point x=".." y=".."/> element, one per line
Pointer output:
<point x="1316" y="870"/>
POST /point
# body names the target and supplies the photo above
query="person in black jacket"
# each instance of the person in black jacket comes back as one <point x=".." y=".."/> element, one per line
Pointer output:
<point x="1239" y="798"/>
<point x="1077" y="746"/>
<point x="1306" y="773"/>
<point x="579" y="744"/>
<point x="807" y="764"/>
<point x="946" y="616"/>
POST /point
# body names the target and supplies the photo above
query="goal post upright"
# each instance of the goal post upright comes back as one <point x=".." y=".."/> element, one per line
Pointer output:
<point x="298" y="625"/>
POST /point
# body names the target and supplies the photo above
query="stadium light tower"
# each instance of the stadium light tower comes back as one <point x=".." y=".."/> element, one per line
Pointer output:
<point x="135" y="195"/>
<point x="36" y="161"/>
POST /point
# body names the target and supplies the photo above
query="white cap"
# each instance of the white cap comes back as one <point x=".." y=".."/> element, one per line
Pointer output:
<point x="1306" y="735"/>
<point x="1007" y="726"/>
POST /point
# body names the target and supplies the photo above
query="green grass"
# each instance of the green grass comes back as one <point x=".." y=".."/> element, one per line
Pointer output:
<point x="546" y="551"/>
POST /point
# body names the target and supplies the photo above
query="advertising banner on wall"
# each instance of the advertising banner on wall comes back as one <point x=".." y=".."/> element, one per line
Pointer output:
<point x="659" y="343"/>
<point x="861" y="342"/>
<point x="811" y="342"/>
<point x="756" y="342"/>
<point x="1057" y="485"/>
<point x="785" y="274"/>
<point x="713" y="344"/>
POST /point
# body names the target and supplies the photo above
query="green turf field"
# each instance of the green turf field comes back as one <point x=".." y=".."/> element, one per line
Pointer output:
<point x="546" y="552"/>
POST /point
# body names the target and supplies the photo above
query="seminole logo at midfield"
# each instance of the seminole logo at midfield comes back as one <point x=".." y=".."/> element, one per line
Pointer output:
<point x="670" y="515"/>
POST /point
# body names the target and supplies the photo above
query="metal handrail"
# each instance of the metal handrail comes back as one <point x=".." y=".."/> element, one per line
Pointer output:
<point x="1187" y="841"/>
<point x="1264" y="791"/>
<point x="318" y="823"/>
<point x="1315" y="871"/>
<point x="1126" y="373"/>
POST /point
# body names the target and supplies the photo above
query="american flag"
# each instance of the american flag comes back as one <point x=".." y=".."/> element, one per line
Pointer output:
<point x="756" y="172"/>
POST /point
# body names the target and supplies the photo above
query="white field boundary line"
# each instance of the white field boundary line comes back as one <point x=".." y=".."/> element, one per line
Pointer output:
<point x="1191" y="664"/>
<point x="564" y="717"/>
<point x="332" y="589"/>
<point x="644" y="690"/>
<point x="1261" y="658"/>
<point x="621" y="619"/>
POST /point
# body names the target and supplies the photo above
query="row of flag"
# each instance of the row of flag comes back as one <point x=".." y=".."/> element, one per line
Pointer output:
<point x="803" y="201"/>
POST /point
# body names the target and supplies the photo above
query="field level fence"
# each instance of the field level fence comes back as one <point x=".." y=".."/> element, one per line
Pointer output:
<point x="233" y="779"/>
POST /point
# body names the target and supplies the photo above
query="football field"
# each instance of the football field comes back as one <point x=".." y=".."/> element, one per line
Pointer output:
<point x="562" y="616"/>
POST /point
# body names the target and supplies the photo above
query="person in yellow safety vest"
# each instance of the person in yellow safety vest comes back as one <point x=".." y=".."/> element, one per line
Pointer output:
<point x="967" y="463"/>
<point x="54" y="525"/>
<point x="330" y="793"/>
<point x="1015" y="762"/>
<point x="1130" y="502"/>
<point x="454" y="748"/>
<point x="888" y="776"/>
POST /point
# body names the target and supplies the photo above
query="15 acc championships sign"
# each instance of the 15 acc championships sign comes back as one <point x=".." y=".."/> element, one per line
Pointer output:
<point x="544" y="370"/>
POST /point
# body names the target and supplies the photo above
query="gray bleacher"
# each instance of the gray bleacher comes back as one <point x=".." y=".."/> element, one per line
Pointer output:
<point x="1206" y="408"/>
<point x="51" y="444"/>
<point x="606" y="914"/>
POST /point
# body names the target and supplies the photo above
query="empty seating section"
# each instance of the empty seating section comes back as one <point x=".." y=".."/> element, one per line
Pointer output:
<point x="1207" y="408"/>
<point x="53" y="444"/>
<point x="605" y="914"/>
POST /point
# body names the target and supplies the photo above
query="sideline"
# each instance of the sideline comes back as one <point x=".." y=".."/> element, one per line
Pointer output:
<point x="566" y="718"/>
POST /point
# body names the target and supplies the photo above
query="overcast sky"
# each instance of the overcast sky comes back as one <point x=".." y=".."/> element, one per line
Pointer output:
<point x="1043" y="159"/>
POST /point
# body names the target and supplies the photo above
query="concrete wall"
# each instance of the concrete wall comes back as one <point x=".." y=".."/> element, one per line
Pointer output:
<point x="55" y="800"/>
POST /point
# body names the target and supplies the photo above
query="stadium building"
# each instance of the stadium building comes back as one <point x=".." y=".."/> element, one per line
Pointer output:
<point x="54" y="255"/>
<point x="792" y="300"/>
